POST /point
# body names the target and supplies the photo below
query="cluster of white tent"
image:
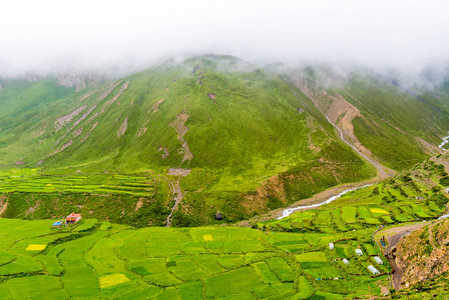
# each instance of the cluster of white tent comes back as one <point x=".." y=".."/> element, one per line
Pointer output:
<point x="359" y="252"/>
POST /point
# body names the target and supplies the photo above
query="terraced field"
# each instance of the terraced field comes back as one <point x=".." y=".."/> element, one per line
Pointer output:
<point x="32" y="181"/>
<point x="104" y="260"/>
<point x="382" y="204"/>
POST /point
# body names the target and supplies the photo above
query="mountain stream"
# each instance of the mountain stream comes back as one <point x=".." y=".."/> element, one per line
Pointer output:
<point x="289" y="211"/>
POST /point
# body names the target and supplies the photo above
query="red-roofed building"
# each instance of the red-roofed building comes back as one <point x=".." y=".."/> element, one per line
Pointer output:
<point x="73" y="218"/>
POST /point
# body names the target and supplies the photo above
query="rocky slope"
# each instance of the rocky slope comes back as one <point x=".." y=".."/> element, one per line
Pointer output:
<point x="424" y="254"/>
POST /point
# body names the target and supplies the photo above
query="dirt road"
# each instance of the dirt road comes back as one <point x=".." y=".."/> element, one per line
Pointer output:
<point x="393" y="236"/>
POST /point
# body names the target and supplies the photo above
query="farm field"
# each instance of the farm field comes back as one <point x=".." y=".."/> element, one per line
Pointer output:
<point x="95" y="259"/>
<point x="33" y="181"/>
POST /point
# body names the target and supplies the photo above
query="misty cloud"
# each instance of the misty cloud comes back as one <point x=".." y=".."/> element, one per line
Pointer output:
<point x="53" y="36"/>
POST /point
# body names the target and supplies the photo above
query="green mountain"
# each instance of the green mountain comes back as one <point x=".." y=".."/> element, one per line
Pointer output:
<point x="212" y="133"/>
<point x="231" y="125"/>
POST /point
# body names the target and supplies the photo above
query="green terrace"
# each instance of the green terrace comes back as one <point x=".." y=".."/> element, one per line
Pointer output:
<point x="391" y="201"/>
<point x="32" y="181"/>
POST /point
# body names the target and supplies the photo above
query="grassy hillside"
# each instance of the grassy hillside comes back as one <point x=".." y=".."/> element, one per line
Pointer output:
<point x="393" y="118"/>
<point x="394" y="125"/>
<point x="235" y="127"/>
<point x="252" y="122"/>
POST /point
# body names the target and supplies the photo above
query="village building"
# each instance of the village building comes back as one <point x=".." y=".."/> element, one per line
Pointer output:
<point x="73" y="218"/>
<point x="345" y="261"/>
<point x="358" y="252"/>
<point x="331" y="246"/>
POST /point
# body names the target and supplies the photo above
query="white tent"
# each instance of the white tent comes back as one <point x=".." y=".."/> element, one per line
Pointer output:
<point x="373" y="270"/>
<point x="378" y="260"/>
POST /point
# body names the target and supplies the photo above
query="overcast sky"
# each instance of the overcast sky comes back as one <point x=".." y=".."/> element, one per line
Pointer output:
<point x="49" y="35"/>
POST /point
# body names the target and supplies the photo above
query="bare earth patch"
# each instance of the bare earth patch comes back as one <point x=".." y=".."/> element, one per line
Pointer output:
<point x="196" y="68"/>
<point x="155" y="106"/>
<point x="84" y="116"/>
<point x="119" y="93"/>
<point x="165" y="150"/>
<point x="179" y="172"/>
<point x="181" y="130"/>
<point x="139" y="203"/>
<point x="3" y="204"/>
<point x="89" y="133"/>
<point x="77" y="132"/>
<point x="142" y="131"/>
<point x="41" y="131"/>
<point x="87" y="95"/>
<point x="108" y="90"/>
<point x="176" y="190"/>
<point x="258" y="201"/>
<point x="64" y="120"/>
<point x="121" y="131"/>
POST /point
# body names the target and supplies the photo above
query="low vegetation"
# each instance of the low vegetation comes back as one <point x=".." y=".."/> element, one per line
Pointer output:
<point x="284" y="259"/>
